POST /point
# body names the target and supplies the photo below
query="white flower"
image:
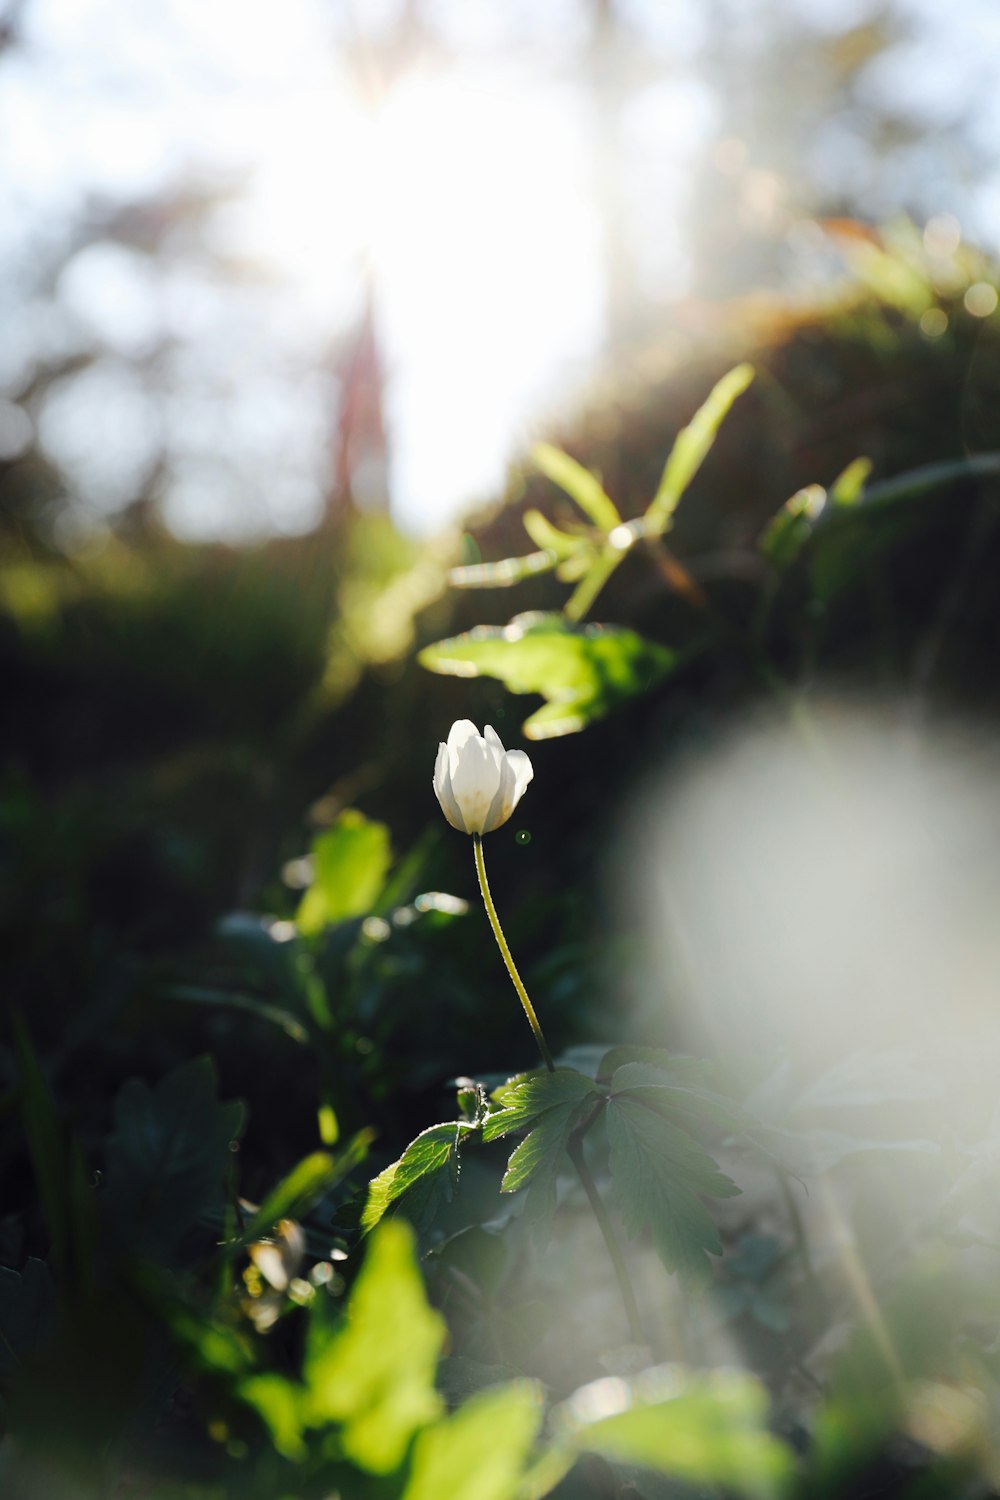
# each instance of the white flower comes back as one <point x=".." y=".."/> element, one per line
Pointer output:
<point x="476" y="781"/>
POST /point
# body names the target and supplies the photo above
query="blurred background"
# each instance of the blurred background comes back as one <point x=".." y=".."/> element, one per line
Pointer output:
<point x="260" y="270"/>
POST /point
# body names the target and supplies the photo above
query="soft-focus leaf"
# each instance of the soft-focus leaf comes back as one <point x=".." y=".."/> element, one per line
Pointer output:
<point x="274" y="1015"/>
<point x="692" y="445"/>
<point x="351" y="864"/>
<point x="27" y="1308"/>
<point x="712" y="1431"/>
<point x="582" y="672"/>
<point x="502" y="575"/>
<point x="579" y="484"/>
<point x="600" y="570"/>
<point x="434" y="1152"/>
<point x="865" y="1078"/>
<point x="549" y="538"/>
<point x="848" y="487"/>
<point x="373" y="1373"/>
<point x="279" y="1403"/>
<point x="812" y="1152"/>
<point x="787" y="532"/>
<point x="480" y="1452"/>
<point x="305" y="1184"/>
<point x="660" y="1174"/>
<point x="168" y="1157"/>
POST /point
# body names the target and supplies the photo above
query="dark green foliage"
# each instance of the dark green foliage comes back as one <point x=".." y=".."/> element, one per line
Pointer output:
<point x="168" y="1158"/>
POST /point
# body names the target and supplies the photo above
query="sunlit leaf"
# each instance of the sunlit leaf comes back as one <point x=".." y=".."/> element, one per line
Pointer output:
<point x="480" y="1452"/>
<point x="593" y="580"/>
<point x="660" y="1175"/>
<point x="582" y="672"/>
<point x="849" y="486"/>
<point x="351" y="864"/>
<point x="579" y="484"/>
<point x="373" y="1373"/>
<point x="786" y="533"/>
<point x="168" y="1156"/>
<point x="710" y="1430"/>
<point x="529" y="1095"/>
<point x="692" y="444"/>
<point x="297" y="1193"/>
<point x="433" y="1153"/>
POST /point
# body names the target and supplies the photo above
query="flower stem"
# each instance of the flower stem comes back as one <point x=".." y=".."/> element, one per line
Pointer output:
<point x="491" y="912"/>
<point x="575" y="1145"/>
<point x="575" y="1150"/>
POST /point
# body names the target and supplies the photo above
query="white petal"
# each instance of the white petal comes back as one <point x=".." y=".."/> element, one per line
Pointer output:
<point x="444" y="793"/>
<point x="522" y="770"/>
<point x="459" y="734"/>
<point x="490" y="734"/>
<point x="503" y="802"/>
<point x="475" y="780"/>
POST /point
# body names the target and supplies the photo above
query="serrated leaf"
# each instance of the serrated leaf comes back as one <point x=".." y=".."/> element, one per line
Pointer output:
<point x="536" y="1163"/>
<point x="524" y="1098"/>
<point x="434" y="1152"/>
<point x="502" y="575"/>
<point x="692" y="445"/>
<point x="583" y="672"/>
<point x="685" y="1071"/>
<point x="481" y="1451"/>
<point x="579" y="484"/>
<point x="710" y="1429"/>
<point x="351" y="862"/>
<point x="657" y="1089"/>
<point x="168" y="1157"/>
<point x="660" y="1174"/>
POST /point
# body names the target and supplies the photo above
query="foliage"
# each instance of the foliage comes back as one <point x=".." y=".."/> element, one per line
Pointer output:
<point x="236" y="1259"/>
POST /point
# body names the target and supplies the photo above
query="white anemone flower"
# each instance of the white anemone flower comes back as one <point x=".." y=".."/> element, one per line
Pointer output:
<point x="477" y="782"/>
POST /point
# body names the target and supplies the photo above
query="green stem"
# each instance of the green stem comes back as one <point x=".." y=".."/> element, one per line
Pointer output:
<point x="491" y="912"/>
<point x="575" y="1145"/>
<point x="575" y="1150"/>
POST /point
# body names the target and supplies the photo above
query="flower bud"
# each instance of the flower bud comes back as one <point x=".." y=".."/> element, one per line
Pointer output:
<point x="476" y="781"/>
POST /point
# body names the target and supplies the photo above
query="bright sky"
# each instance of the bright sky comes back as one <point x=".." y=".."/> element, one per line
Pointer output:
<point x="469" y="194"/>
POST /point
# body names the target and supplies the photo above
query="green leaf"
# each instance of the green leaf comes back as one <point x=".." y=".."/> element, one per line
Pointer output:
<point x="27" y="1309"/>
<point x="373" y="1373"/>
<point x="590" y="585"/>
<point x="671" y="1093"/>
<point x="536" y="1164"/>
<point x="481" y="1452"/>
<point x="660" y="1174"/>
<point x="168" y="1157"/>
<point x="434" y="1153"/>
<point x="63" y="1187"/>
<point x="502" y="575"/>
<point x="279" y="1403"/>
<point x="274" y="1015"/>
<point x="524" y="1098"/>
<point x="848" y="487"/>
<point x="582" y="672"/>
<point x="579" y="484"/>
<point x="787" y="532"/>
<point x="692" y="444"/>
<point x="351" y="864"/>
<point x="304" y="1186"/>
<point x="710" y="1431"/>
